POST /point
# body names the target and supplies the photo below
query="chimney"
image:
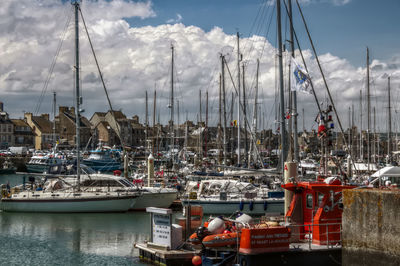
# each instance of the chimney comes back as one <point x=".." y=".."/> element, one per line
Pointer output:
<point x="135" y="119"/>
<point x="46" y="116"/>
<point x="28" y="117"/>
<point x="62" y="109"/>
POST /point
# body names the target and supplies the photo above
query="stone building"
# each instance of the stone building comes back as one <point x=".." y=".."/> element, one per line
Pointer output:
<point x="106" y="127"/>
<point x="6" y="129"/>
<point x="138" y="132"/>
<point x="23" y="134"/>
<point x="42" y="128"/>
<point x="65" y="125"/>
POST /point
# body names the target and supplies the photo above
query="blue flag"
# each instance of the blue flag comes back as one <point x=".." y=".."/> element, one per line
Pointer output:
<point x="301" y="81"/>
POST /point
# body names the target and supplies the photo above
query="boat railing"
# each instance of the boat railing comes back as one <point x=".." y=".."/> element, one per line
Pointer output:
<point x="327" y="234"/>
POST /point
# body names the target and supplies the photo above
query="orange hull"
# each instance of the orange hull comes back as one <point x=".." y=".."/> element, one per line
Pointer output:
<point x="221" y="240"/>
<point x="261" y="240"/>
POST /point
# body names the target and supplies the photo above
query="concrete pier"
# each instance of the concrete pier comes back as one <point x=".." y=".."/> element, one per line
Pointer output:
<point x="371" y="227"/>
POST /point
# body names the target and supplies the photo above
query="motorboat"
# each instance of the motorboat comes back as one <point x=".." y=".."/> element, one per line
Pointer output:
<point x="8" y="168"/>
<point x="103" y="160"/>
<point x="40" y="163"/>
<point x="228" y="196"/>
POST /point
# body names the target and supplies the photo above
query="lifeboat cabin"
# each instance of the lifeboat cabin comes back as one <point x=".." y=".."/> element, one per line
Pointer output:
<point x="315" y="211"/>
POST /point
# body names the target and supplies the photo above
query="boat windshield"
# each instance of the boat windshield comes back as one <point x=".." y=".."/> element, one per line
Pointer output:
<point x="126" y="183"/>
<point x="87" y="170"/>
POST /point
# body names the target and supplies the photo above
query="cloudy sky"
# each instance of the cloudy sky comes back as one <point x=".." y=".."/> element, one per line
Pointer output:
<point x="133" y="39"/>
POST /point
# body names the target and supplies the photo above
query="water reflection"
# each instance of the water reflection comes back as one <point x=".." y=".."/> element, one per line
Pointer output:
<point x="72" y="238"/>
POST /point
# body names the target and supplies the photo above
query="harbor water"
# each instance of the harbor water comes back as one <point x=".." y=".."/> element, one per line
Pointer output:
<point x="70" y="239"/>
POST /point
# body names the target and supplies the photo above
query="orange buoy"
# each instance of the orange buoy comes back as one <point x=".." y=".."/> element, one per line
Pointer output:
<point x="196" y="260"/>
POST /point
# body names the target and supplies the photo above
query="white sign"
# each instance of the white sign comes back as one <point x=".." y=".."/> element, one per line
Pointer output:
<point x="161" y="229"/>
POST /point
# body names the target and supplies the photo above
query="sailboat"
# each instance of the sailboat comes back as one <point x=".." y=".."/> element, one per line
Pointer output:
<point x="57" y="199"/>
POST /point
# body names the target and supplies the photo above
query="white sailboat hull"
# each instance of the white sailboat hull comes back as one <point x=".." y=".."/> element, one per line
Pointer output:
<point x="259" y="207"/>
<point x="91" y="203"/>
<point x="155" y="199"/>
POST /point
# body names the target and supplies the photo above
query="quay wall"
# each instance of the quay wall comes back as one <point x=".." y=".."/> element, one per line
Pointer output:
<point x="18" y="161"/>
<point x="371" y="227"/>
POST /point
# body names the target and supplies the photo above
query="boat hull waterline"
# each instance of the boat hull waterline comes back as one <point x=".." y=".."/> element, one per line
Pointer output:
<point x="70" y="204"/>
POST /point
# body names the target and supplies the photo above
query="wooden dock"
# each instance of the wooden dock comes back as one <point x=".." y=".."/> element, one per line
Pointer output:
<point x="158" y="255"/>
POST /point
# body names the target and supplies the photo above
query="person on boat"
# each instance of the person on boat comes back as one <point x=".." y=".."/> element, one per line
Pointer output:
<point x="8" y="187"/>
<point x="39" y="188"/>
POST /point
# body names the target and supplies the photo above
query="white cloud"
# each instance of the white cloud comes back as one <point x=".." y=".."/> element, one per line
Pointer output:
<point x="178" y="19"/>
<point x="134" y="60"/>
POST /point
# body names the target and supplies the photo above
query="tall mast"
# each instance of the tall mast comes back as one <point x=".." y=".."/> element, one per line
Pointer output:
<point x="294" y="93"/>
<point x="186" y="133"/>
<point x="206" y="128"/>
<point x="389" y="154"/>
<point x="246" y="147"/>
<point x="200" y="111"/>
<point x="254" y="124"/>
<point x="177" y="130"/>
<point x="54" y="121"/>
<point x="374" y="138"/>
<point x="232" y="131"/>
<point x="361" y="137"/>
<point x="281" y="88"/>
<point x="352" y="126"/>
<point x="224" y="103"/>
<point x="350" y="131"/>
<point x="147" y="121"/>
<point x="368" y="112"/>
<point x="200" y="129"/>
<point x="219" y="119"/>
<point x="154" y="120"/>
<point x="238" y="101"/>
<point x="172" y="102"/>
<point x="78" y="98"/>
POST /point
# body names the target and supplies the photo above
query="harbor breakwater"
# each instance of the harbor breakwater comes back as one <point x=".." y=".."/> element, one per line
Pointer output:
<point x="371" y="227"/>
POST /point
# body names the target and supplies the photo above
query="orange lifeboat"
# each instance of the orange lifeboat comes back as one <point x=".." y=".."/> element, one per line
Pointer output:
<point x="221" y="240"/>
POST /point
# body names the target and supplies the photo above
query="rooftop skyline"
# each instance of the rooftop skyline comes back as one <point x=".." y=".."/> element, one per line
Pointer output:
<point x="132" y="40"/>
